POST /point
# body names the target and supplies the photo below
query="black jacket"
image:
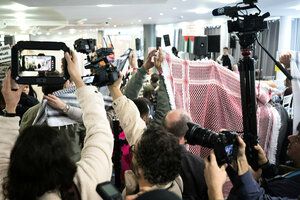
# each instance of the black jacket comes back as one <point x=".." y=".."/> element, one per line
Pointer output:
<point x="192" y="174"/>
<point x="26" y="102"/>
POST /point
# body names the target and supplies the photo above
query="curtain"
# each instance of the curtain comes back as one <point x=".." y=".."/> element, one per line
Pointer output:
<point x="295" y="35"/>
<point x="269" y="39"/>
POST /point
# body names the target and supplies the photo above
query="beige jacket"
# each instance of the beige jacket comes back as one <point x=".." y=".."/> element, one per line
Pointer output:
<point x="134" y="127"/>
<point x="95" y="165"/>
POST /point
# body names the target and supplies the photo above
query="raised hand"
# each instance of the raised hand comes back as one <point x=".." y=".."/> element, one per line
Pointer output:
<point x="73" y="69"/>
<point x="11" y="98"/>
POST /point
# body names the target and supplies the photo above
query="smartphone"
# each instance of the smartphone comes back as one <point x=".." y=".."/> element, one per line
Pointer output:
<point x="88" y="79"/>
<point x="38" y="63"/>
<point x="108" y="191"/>
<point x="158" y="42"/>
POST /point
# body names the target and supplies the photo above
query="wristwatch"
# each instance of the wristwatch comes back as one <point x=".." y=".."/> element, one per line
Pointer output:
<point x="6" y="114"/>
<point x="66" y="109"/>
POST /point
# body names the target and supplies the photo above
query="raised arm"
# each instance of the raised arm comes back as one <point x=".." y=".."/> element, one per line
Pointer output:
<point x="9" y="128"/>
<point x="95" y="165"/>
<point x="163" y="101"/>
<point x="135" y="84"/>
<point x="127" y="113"/>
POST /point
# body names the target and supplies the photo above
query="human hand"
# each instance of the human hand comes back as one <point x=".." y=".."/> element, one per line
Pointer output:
<point x="55" y="102"/>
<point x="149" y="64"/>
<point x="73" y="69"/>
<point x="255" y="174"/>
<point x="215" y="177"/>
<point x="262" y="159"/>
<point x="11" y="98"/>
<point x="114" y="89"/>
<point x="285" y="59"/>
<point x="242" y="162"/>
<point x="159" y="60"/>
<point x="132" y="59"/>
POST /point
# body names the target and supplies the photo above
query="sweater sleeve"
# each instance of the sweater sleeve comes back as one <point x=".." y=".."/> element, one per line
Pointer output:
<point x="163" y="102"/>
<point x="75" y="114"/>
<point x="135" y="84"/>
<point x="9" y="131"/>
<point x="95" y="165"/>
<point x="130" y="119"/>
<point x="251" y="190"/>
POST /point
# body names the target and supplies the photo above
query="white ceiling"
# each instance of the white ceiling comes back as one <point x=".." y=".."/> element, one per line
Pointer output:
<point x="54" y="15"/>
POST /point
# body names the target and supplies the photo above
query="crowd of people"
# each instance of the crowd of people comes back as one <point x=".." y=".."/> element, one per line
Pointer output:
<point x="62" y="147"/>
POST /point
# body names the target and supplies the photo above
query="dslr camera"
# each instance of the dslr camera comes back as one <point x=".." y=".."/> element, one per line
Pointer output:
<point x="225" y="144"/>
<point x="104" y="72"/>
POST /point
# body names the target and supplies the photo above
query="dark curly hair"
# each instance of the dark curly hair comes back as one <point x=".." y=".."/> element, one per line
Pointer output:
<point x="158" y="155"/>
<point x="38" y="163"/>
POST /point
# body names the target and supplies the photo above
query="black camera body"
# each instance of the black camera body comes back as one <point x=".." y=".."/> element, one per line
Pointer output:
<point x="251" y="23"/>
<point x="85" y="46"/>
<point x="225" y="144"/>
<point x="105" y="73"/>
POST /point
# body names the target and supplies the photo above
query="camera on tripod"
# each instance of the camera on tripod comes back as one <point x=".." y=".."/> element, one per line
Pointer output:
<point x="104" y="72"/>
<point x="225" y="144"/>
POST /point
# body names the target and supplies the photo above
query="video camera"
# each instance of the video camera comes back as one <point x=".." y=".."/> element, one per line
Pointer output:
<point x="247" y="26"/>
<point x="105" y="72"/>
<point x="37" y="69"/>
<point x="225" y="144"/>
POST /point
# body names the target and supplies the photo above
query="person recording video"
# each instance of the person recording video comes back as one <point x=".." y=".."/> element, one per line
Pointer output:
<point x="35" y="165"/>
<point x="280" y="183"/>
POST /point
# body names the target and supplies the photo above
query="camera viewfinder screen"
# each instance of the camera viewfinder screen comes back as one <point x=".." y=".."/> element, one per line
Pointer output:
<point x="38" y="63"/>
<point x="229" y="149"/>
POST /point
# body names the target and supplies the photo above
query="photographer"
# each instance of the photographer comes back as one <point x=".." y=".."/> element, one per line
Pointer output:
<point x="248" y="189"/>
<point x="192" y="166"/>
<point x="35" y="164"/>
<point x="156" y="154"/>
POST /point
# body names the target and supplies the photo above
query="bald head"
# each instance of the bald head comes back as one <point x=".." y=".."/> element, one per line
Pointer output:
<point x="176" y="122"/>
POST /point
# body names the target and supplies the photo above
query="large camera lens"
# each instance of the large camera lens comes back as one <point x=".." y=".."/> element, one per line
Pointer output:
<point x="196" y="135"/>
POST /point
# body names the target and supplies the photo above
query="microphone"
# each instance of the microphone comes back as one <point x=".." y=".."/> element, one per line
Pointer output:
<point x="223" y="11"/>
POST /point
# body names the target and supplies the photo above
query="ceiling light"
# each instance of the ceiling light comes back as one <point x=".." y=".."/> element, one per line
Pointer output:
<point x="139" y="20"/>
<point x="109" y="18"/>
<point x="200" y="10"/>
<point x="131" y="22"/>
<point x="149" y="18"/>
<point x="59" y="33"/>
<point x="20" y="16"/>
<point x="296" y="7"/>
<point x="39" y="33"/>
<point x="104" y="5"/>
<point x="181" y="17"/>
<point x="161" y="14"/>
<point x="184" y="0"/>
<point x="72" y="31"/>
<point x="47" y="33"/>
<point x="16" y="7"/>
<point x="174" y="8"/>
<point x="115" y="26"/>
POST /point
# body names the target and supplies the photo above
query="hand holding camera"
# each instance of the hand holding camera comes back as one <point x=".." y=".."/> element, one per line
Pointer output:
<point x="11" y="97"/>
<point x="73" y="69"/>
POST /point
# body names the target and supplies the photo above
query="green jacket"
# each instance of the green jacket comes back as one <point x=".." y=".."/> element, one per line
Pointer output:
<point x="163" y="104"/>
<point x="71" y="134"/>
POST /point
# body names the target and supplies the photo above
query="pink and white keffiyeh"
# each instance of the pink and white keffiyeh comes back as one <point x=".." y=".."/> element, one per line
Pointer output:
<point x="211" y="94"/>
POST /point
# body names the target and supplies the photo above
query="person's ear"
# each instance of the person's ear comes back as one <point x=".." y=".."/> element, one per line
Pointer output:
<point x="144" y="118"/>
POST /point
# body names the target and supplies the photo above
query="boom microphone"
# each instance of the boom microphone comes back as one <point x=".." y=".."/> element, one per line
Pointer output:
<point x="227" y="10"/>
